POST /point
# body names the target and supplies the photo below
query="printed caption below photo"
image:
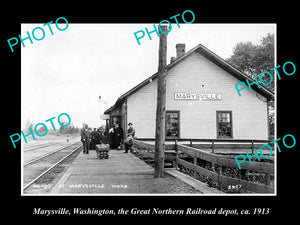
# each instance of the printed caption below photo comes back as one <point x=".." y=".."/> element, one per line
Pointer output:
<point x="149" y="211"/>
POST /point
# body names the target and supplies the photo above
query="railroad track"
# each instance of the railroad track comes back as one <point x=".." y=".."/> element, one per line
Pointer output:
<point x="36" y="169"/>
<point x="39" y="146"/>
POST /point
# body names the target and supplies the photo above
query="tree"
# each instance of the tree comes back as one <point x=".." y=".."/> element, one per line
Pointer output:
<point x="253" y="60"/>
<point x="70" y="129"/>
<point x="28" y="124"/>
<point x="244" y="57"/>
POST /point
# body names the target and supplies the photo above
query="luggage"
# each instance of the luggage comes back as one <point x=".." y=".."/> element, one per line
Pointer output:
<point x="102" y="151"/>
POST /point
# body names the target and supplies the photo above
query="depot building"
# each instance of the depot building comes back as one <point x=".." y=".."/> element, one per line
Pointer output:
<point x="201" y="101"/>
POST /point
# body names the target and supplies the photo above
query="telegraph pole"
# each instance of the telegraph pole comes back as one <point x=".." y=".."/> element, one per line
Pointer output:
<point x="161" y="105"/>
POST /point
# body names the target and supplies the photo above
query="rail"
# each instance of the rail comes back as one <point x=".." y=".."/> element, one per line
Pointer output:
<point x="147" y="150"/>
<point x="38" y="146"/>
<point x="213" y="144"/>
<point x="50" y="167"/>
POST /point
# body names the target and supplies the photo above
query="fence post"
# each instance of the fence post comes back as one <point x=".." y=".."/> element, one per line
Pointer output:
<point x="252" y="146"/>
<point x="191" y="143"/>
<point x="176" y="155"/>
<point x="219" y="174"/>
<point x="212" y="146"/>
<point x="195" y="160"/>
<point x="268" y="179"/>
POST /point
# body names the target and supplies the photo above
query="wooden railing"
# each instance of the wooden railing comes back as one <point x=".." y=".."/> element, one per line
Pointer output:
<point x="147" y="150"/>
<point x="215" y="143"/>
<point x="144" y="149"/>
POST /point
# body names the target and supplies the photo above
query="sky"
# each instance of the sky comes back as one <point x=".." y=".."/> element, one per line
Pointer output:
<point x="67" y="72"/>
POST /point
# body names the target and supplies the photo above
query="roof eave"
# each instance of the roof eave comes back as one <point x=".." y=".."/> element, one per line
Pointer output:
<point x="211" y="56"/>
<point x="235" y="72"/>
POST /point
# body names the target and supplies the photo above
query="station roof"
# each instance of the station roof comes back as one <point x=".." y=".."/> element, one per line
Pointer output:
<point x="211" y="56"/>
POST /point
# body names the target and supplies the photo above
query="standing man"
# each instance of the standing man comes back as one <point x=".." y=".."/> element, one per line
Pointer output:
<point x="93" y="139"/>
<point x="118" y="135"/>
<point x="129" y="136"/>
<point x="90" y="137"/>
<point x="112" y="138"/>
<point x="98" y="137"/>
<point x="85" y="138"/>
<point x="131" y="130"/>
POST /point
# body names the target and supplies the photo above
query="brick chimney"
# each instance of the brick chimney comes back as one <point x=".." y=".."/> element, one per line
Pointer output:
<point x="180" y="49"/>
<point x="173" y="59"/>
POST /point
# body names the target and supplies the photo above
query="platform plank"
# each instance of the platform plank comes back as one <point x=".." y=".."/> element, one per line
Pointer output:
<point x="120" y="174"/>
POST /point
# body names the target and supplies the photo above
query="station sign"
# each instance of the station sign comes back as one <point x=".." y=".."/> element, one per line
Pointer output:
<point x="104" y="116"/>
<point x="198" y="96"/>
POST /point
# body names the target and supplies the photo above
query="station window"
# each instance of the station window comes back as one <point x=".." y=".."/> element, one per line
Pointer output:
<point x="172" y="124"/>
<point x="224" y="124"/>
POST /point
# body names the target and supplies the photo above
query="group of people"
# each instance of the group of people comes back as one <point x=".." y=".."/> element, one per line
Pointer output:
<point x="116" y="136"/>
<point x="91" y="138"/>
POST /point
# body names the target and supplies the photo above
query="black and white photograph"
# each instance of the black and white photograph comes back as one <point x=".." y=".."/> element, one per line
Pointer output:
<point x="89" y="95"/>
<point x="132" y="112"/>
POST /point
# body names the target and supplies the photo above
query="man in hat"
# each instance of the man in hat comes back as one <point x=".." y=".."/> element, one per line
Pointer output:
<point x="93" y="137"/>
<point x="131" y="130"/>
<point x="118" y="131"/>
<point x="85" y="138"/>
<point x="129" y="137"/>
<point x="98" y="137"/>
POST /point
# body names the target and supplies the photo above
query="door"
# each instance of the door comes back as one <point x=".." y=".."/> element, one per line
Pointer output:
<point x="116" y="119"/>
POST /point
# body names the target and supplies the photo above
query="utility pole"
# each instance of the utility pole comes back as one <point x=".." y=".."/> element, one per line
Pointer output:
<point x="160" y="130"/>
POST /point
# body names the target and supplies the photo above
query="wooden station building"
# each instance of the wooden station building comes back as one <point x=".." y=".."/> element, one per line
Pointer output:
<point x="201" y="101"/>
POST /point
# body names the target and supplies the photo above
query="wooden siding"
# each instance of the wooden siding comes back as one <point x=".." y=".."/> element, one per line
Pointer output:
<point x="141" y="110"/>
<point x="197" y="74"/>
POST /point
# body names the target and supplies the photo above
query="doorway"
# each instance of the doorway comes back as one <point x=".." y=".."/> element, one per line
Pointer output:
<point x="116" y="119"/>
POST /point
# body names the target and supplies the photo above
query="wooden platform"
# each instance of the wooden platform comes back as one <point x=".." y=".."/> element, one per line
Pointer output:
<point x="121" y="173"/>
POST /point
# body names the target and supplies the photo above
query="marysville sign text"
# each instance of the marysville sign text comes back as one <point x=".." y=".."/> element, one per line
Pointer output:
<point x="198" y="96"/>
